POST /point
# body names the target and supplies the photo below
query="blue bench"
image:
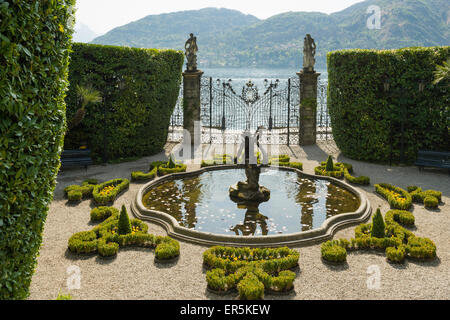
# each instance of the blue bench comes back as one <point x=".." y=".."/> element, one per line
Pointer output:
<point x="76" y="158"/>
<point x="433" y="159"/>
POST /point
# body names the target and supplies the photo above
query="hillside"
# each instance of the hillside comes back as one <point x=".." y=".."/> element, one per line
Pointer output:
<point x="229" y="38"/>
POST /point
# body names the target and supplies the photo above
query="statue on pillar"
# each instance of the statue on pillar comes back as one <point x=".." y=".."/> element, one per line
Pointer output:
<point x="191" y="53"/>
<point x="309" y="51"/>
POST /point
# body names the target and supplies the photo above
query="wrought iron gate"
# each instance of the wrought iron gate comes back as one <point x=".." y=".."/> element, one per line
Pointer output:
<point x="226" y="113"/>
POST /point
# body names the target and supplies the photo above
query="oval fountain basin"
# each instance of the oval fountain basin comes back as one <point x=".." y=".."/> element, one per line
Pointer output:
<point x="298" y="203"/>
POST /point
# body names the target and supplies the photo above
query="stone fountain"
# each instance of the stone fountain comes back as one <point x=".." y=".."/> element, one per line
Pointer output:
<point x="250" y="190"/>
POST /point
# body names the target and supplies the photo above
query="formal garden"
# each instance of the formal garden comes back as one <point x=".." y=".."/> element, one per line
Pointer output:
<point x="96" y="203"/>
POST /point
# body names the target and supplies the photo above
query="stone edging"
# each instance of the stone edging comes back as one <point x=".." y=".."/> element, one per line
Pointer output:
<point x="325" y="232"/>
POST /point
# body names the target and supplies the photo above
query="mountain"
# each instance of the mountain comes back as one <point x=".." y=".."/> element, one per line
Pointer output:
<point x="83" y="33"/>
<point x="229" y="38"/>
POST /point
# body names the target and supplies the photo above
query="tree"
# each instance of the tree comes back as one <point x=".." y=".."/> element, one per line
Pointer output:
<point x="171" y="164"/>
<point x="330" y="164"/>
<point x="124" y="222"/>
<point x="378" y="226"/>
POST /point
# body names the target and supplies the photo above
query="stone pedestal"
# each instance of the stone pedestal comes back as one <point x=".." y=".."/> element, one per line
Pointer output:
<point x="191" y="104"/>
<point x="308" y="107"/>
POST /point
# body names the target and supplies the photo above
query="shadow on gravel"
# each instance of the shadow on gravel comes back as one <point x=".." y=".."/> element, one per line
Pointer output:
<point x="78" y="257"/>
<point x="338" y="267"/>
<point x="427" y="264"/>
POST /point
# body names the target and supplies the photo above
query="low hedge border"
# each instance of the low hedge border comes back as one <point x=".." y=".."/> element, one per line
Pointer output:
<point x="338" y="172"/>
<point x="102" y="213"/>
<point x="430" y="198"/>
<point x="105" y="240"/>
<point x="76" y="193"/>
<point x="165" y="170"/>
<point x="397" y="197"/>
<point x="141" y="176"/>
<point x="119" y="186"/>
<point x="250" y="271"/>
<point x="398" y="243"/>
<point x="362" y="180"/>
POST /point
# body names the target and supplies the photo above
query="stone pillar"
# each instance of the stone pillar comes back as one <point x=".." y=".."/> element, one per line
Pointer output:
<point x="308" y="107"/>
<point x="191" y="102"/>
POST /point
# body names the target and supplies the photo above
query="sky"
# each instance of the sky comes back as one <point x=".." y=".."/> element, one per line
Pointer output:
<point x="104" y="15"/>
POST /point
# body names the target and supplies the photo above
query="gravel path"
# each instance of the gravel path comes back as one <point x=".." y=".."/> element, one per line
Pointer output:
<point x="134" y="275"/>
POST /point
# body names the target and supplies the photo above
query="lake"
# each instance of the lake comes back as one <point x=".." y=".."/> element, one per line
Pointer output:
<point x="240" y="76"/>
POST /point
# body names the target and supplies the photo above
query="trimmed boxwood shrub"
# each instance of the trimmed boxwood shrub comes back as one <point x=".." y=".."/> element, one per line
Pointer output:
<point x="267" y="268"/>
<point x="86" y="189"/>
<point x="106" y="240"/>
<point x="397" y="197"/>
<point x="295" y="165"/>
<point x="157" y="164"/>
<point x="403" y="217"/>
<point x="430" y="198"/>
<point x="398" y="242"/>
<point x="332" y="251"/>
<point x="431" y="202"/>
<point x="421" y="248"/>
<point x="103" y="213"/>
<point x="362" y="180"/>
<point x="118" y="185"/>
<point x="250" y="288"/>
<point x="337" y="171"/>
<point x="141" y="176"/>
<point x="139" y="88"/>
<point x="366" y="119"/>
<point x="396" y="255"/>
<point x="35" y="41"/>
<point x="165" y="170"/>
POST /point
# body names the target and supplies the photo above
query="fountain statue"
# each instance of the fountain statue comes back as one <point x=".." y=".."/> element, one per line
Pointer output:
<point x="250" y="190"/>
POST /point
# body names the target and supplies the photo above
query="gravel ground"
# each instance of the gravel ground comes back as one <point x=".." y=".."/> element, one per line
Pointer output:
<point x="134" y="275"/>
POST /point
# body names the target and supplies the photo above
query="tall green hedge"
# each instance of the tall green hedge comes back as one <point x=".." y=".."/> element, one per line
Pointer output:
<point x="367" y="116"/>
<point x="34" y="55"/>
<point x="139" y="88"/>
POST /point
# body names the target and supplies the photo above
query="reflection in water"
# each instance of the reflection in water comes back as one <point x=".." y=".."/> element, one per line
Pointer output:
<point x="297" y="204"/>
<point x="253" y="219"/>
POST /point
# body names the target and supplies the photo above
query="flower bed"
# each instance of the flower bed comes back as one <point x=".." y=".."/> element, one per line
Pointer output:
<point x="397" y="197"/>
<point x="250" y="271"/>
<point x="107" y="192"/>
<point x="106" y="240"/>
<point x="398" y="242"/>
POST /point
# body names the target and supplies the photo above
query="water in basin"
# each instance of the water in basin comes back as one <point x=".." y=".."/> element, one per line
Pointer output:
<point x="296" y="204"/>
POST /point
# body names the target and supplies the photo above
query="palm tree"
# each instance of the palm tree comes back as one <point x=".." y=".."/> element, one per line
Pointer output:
<point x="442" y="73"/>
<point x="87" y="96"/>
